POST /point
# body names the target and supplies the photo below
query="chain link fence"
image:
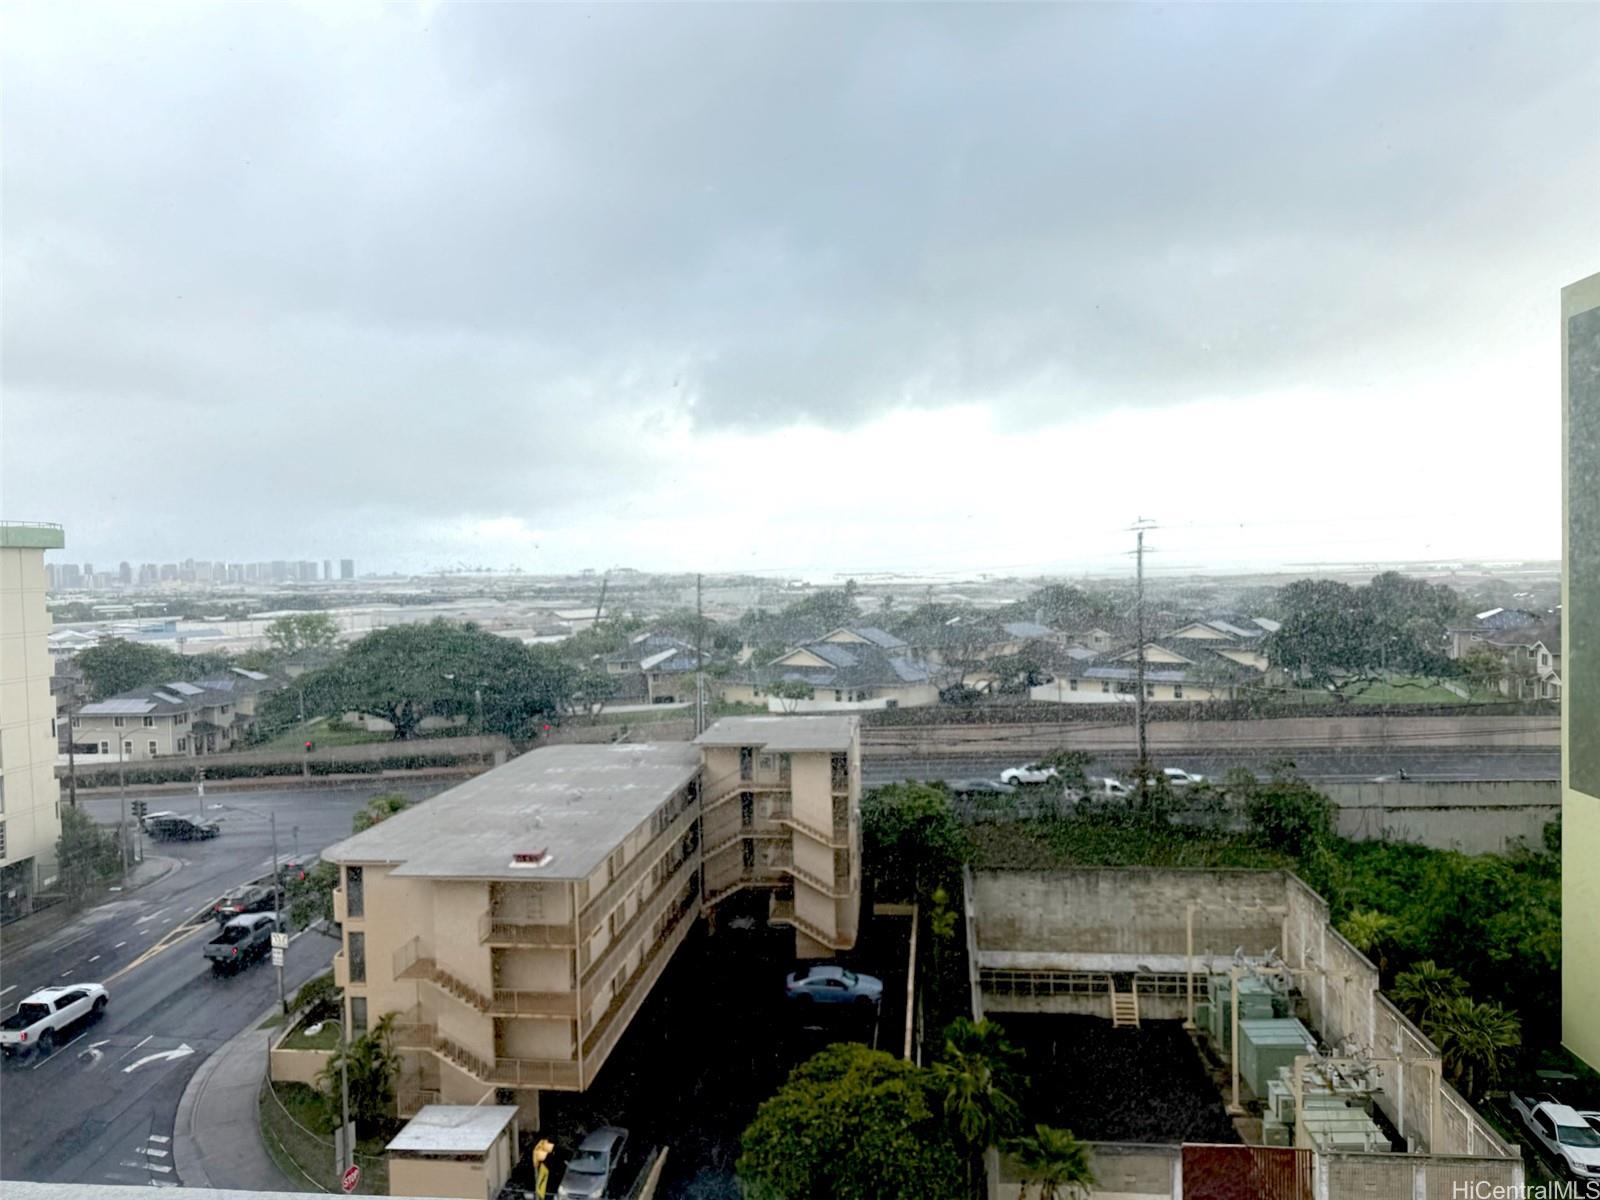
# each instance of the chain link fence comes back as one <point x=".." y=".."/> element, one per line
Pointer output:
<point x="311" y="1154"/>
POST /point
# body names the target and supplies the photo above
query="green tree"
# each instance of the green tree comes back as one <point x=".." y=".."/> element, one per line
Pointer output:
<point x="1477" y="1041"/>
<point x="379" y="808"/>
<point x="981" y="1113"/>
<point x="790" y="692"/>
<point x="373" y="1065"/>
<point x="1054" y="1164"/>
<point x="851" y="1122"/>
<point x="87" y="856"/>
<point x="986" y="1040"/>
<point x="310" y="899"/>
<point x="319" y="998"/>
<point x="1374" y="933"/>
<point x="1424" y="989"/>
<point x="441" y="668"/>
<point x="1071" y="767"/>
<point x="911" y="840"/>
<point x="117" y="665"/>
<point x="302" y="631"/>
<point x="1286" y="813"/>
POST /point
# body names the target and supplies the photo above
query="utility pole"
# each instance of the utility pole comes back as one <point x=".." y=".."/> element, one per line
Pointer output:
<point x="1139" y="527"/>
<point x="277" y="904"/>
<point x="699" y="664"/>
<point x="122" y="788"/>
<point x="72" y="762"/>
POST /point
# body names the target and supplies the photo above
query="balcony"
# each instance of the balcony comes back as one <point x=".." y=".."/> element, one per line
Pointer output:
<point x="636" y="930"/>
<point x="412" y="962"/>
<point x="742" y="832"/>
<point x="509" y="1003"/>
<point x="724" y="788"/>
<point x="600" y="1039"/>
<point x="492" y="932"/>
<point x="414" y="1029"/>
<point x="341" y="970"/>
<point x="339" y="914"/>
<point x="839" y="839"/>
<point x="601" y="904"/>
<point x="782" y="913"/>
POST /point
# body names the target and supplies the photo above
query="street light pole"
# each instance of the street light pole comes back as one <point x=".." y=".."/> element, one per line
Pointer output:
<point x="277" y="905"/>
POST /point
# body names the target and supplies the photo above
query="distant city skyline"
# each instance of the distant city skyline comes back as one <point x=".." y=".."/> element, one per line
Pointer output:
<point x="63" y="573"/>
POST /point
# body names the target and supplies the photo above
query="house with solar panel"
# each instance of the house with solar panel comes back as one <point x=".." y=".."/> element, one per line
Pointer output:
<point x="183" y="718"/>
<point x="848" y="670"/>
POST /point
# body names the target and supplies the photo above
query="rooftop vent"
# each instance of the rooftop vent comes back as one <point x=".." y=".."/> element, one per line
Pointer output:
<point x="531" y="859"/>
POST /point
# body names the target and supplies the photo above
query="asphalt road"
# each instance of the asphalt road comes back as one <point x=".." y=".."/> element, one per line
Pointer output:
<point x="101" y="1108"/>
<point x="1344" y="766"/>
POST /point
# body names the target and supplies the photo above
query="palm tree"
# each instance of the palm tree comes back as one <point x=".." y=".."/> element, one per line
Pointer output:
<point x="987" y="1041"/>
<point x="1373" y="933"/>
<point x="1055" y="1163"/>
<point x="1477" y="1042"/>
<point x="1424" y="988"/>
<point x="981" y="1114"/>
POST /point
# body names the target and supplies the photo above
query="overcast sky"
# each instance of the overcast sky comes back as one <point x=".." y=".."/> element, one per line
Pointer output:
<point x="793" y="289"/>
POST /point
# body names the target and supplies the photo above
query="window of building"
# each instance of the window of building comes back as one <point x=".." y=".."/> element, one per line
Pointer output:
<point x="116" y="722"/>
<point x="1105" y="685"/>
<point x="152" y="746"/>
<point x="127" y="749"/>
<point x="354" y="901"/>
<point x="183" y="745"/>
<point x="223" y="709"/>
<point x="358" y="957"/>
<point x="1177" y="691"/>
<point x="74" y="722"/>
<point x="2" y="839"/>
<point x="149" y="722"/>
<point x="1072" y="685"/>
<point x="105" y="747"/>
<point x="358" y="1016"/>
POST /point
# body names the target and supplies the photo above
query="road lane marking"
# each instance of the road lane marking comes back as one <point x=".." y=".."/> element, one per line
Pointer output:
<point x="150" y="1151"/>
<point x="96" y="958"/>
<point x="182" y="1051"/>
<point x="12" y="988"/>
<point x="55" y="1055"/>
<point x="119" y="945"/>
<point x="130" y="1053"/>
<point x="156" y="1137"/>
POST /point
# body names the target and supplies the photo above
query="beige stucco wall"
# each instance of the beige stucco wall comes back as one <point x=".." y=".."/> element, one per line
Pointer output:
<point x="297" y="1066"/>
<point x="30" y="793"/>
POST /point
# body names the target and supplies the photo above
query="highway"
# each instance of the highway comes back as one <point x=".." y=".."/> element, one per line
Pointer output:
<point x="1329" y="766"/>
<point x="101" y="1108"/>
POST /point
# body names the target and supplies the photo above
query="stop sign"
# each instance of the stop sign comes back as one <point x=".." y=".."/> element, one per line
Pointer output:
<point x="350" y="1178"/>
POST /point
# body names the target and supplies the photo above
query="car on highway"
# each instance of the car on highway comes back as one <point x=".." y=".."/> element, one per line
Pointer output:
<point x="258" y="897"/>
<point x="1562" y="1132"/>
<point x="982" y="787"/>
<point x="47" y="1016"/>
<point x="241" y="941"/>
<point x="1030" y="773"/>
<point x="827" y="983"/>
<point x="593" y="1167"/>
<point x="1178" y="777"/>
<point x="175" y="827"/>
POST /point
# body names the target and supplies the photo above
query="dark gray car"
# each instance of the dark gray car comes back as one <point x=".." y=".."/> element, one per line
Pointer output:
<point x="593" y="1168"/>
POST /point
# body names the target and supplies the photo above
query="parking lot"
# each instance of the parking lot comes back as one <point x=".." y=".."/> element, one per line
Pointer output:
<point x="715" y="1039"/>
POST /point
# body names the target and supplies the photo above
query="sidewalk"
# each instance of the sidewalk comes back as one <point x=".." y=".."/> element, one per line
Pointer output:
<point x="216" y="1140"/>
<point x="24" y="931"/>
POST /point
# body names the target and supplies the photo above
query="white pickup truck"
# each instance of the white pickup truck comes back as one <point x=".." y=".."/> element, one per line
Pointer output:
<point x="1565" y="1134"/>
<point x="47" y="1016"/>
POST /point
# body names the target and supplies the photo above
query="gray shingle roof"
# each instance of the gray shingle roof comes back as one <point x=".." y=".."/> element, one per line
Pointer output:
<point x="1027" y="629"/>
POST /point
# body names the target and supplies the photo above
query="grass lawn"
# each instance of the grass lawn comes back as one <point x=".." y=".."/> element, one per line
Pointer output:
<point x="272" y="1022"/>
<point x="325" y="1038"/>
<point x="323" y="734"/>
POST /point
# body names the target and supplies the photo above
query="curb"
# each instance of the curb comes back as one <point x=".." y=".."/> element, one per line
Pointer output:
<point x="187" y="1160"/>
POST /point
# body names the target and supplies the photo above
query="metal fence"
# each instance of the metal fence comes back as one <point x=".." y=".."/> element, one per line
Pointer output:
<point x="312" y="1154"/>
<point x="1248" y="1173"/>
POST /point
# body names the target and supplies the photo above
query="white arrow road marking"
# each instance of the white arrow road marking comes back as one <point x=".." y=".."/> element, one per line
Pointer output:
<point x="151" y="917"/>
<point x="182" y="1051"/>
<point x="93" y="1052"/>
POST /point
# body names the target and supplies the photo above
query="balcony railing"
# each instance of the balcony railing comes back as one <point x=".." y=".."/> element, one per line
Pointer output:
<point x="601" y="904"/>
<point x="339" y="915"/>
<point x="758" y="875"/>
<point x="782" y="913"/>
<point x="501" y="932"/>
<point x="839" y="839"/>
<point x="816" y="883"/>
<point x="725" y="787"/>
<point x="742" y="832"/>
<point x="617" y="950"/>
<point x="414" y="1029"/>
<point x="509" y="1003"/>
<point x="341" y="970"/>
<point x="609" y="1027"/>
<point x="509" y="1072"/>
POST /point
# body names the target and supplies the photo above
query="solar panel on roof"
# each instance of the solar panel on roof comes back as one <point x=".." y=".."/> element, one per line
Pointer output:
<point x="117" y="707"/>
<point x="168" y="698"/>
<point x="188" y="689"/>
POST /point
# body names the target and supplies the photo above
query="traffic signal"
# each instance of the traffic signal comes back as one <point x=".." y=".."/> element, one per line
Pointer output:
<point x="140" y="807"/>
<point x="309" y="747"/>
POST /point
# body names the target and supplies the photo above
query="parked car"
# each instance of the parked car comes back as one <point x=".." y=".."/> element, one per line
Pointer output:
<point x="48" y="1015"/>
<point x="593" y="1167"/>
<point x="175" y="827"/>
<point x="258" y="897"/>
<point x="295" y="869"/>
<point x="241" y="941"/>
<point x="1562" y="1132"/>
<point x="824" y="983"/>
<point x="1031" y="773"/>
<point x="1106" y="786"/>
<point x="1178" y="777"/>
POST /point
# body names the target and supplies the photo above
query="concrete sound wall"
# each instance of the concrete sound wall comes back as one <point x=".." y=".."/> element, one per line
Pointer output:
<point x="1476" y="816"/>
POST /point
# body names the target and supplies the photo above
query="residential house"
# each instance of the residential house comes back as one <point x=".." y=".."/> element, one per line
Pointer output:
<point x="517" y="922"/>
<point x="182" y="718"/>
<point x="1177" y="668"/>
<point x="846" y="670"/>
<point x="1531" y="657"/>
<point x="653" y="668"/>
<point x="1495" y="621"/>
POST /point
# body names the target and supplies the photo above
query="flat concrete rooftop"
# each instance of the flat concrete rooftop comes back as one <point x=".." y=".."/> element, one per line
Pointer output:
<point x="574" y="802"/>
<point x="782" y="734"/>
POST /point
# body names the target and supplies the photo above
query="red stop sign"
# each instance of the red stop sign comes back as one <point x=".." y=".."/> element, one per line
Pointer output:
<point x="350" y="1178"/>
